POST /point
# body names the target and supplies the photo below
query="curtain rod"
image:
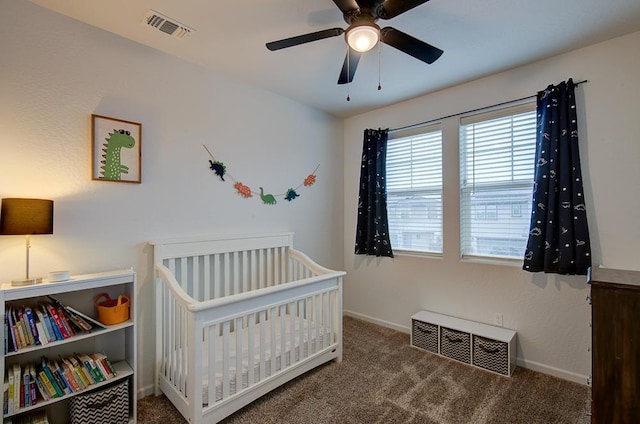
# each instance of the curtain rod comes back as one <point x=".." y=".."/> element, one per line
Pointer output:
<point x="473" y="110"/>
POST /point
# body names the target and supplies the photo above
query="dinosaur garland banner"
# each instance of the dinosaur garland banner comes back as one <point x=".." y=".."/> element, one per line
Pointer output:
<point x="220" y="169"/>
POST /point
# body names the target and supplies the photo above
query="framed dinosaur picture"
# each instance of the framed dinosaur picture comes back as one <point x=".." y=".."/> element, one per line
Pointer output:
<point x="116" y="150"/>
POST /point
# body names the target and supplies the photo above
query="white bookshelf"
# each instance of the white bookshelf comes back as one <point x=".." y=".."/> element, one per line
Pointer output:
<point x="117" y="342"/>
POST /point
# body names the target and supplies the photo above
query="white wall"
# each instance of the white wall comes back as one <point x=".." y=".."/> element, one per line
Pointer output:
<point x="550" y="313"/>
<point x="55" y="72"/>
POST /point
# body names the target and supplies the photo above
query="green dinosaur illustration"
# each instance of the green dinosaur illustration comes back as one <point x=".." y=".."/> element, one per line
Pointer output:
<point x="111" y="168"/>
<point x="268" y="199"/>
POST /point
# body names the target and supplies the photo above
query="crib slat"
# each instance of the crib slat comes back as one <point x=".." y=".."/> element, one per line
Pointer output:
<point x="206" y="277"/>
<point x="211" y="361"/>
<point x="227" y="277"/>
<point x="172" y="351"/>
<point x="251" y="318"/>
<point x="225" y="359"/>
<point x="217" y="275"/>
<point x="245" y="283"/>
<point x="269" y="267"/>
<point x="273" y="313"/>
<point x="195" y="270"/>
<point x="283" y="336"/>
<point x="292" y="333"/>
<point x="276" y="266"/>
<point x="283" y="264"/>
<point x="325" y="319"/>
<point x="310" y="323"/>
<point x="303" y="322"/>
<point x="261" y="273"/>
<point x="184" y="280"/>
<point x="254" y="270"/>
<point x="236" y="276"/>
<point x="239" y="330"/>
<point x="183" y="349"/>
<point x="263" y="348"/>
<point x="332" y="318"/>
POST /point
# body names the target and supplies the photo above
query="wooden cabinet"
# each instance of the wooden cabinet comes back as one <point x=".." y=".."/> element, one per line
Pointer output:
<point x="117" y="342"/>
<point x="615" y="297"/>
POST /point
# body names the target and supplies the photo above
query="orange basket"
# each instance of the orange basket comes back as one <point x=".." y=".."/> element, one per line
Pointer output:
<point x="112" y="311"/>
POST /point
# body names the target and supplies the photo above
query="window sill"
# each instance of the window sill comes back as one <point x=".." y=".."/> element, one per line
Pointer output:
<point x="417" y="254"/>
<point x="492" y="261"/>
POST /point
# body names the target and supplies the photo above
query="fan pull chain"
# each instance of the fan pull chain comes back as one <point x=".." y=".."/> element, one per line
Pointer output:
<point x="379" y="54"/>
<point x="348" y="72"/>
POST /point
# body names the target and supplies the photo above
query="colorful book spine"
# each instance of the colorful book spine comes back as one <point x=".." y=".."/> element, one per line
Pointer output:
<point x="11" y="388"/>
<point x="47" y="322"/>
<point x="44" y="392"/>
<point x="24" y="323"/>
<point x="11" y="329"/>
<point x="33" y="391"/>
<point x="51" y="391"/>
<point x="17" y="378"/>
<point x="32" y="325"/>
<point x="47" y="371"/>
<point x="58" y="322"/>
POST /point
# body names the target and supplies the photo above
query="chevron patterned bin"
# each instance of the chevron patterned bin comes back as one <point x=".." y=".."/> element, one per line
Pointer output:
<point x="107" y="406"/>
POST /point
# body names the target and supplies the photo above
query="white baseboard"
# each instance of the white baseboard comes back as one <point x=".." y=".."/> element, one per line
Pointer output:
<point x="145" y="391"/>
<point x="388" y="324"/>
<point x="532" y="365"/>
<point x="556" y="372"/>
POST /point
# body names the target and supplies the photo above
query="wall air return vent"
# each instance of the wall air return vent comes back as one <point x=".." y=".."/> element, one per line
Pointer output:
<point x="167" y="25"/>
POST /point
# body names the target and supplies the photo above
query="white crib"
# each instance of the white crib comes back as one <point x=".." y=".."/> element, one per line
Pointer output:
<point x="236" y="317"/>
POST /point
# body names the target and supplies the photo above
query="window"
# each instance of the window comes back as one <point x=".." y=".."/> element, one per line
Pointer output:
<point x="497" y="154"/>
<point x="414" y="189"/>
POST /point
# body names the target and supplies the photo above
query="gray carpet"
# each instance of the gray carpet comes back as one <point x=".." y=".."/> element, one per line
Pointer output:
<point x="384" y="380"/>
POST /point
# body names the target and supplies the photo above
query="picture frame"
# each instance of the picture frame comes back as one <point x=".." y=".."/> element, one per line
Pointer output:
<point x="116" y="152"/>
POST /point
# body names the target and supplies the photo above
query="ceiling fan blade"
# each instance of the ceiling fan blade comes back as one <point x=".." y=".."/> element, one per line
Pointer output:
<point x="392" y="8"/>
<point x="410" y="45"/>
<point x="346" y="5"/>
<point x="349" y="66"/>
<point x="302" y="39"/>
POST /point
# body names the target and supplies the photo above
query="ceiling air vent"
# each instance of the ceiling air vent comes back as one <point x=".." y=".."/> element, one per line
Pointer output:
<point x="167" y="25"/>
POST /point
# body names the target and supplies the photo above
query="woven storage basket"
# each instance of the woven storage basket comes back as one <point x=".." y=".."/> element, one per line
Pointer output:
<point x="425" y="336"/>
<point x="112" y="311"/>
<point x="107" y="406"/>
<point x="455" y="344"/>
<point x="491" y="354"/>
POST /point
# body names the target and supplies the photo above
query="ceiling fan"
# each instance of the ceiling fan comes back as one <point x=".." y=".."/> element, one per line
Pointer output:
<point x="363" y="33"/>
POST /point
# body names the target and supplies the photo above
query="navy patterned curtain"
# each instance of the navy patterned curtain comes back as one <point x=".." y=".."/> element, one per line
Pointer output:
<point x="559" y="235"/>
<point x="372" y="232"/>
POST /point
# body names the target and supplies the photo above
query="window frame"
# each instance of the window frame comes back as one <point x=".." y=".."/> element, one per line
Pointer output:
<point x="414" y="132"/>
<point x="465" y="220"/>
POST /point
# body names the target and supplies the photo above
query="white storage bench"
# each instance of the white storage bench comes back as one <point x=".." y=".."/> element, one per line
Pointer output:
<point x="484" y="346"/>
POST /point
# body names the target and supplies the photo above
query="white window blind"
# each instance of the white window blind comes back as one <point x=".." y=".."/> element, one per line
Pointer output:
<point x="497" y="154"/>
<point x="414" y="190"/>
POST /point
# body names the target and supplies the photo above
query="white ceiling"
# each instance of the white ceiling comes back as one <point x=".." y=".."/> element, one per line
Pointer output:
<point x="478" y="38"/>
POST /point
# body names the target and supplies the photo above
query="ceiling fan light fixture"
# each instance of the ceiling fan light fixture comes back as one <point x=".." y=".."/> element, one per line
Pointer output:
<point x="362" y="37"/>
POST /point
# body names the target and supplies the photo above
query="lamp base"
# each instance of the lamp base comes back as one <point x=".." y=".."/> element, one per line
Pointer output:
<point x="26" y="282"/>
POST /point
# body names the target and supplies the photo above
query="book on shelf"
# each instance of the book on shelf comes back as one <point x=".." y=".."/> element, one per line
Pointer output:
<point x="9" y="394"/>
<point x="92" y="367"/>
<point x="28" y="313"/>
<point x="16" y="386"/>
<point x="27" y="325"/>
<point x="24" y="385"/>
<point x="79" y="320"/>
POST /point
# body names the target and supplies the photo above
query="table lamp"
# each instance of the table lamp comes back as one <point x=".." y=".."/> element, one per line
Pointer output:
<point x="26" y="217"/>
